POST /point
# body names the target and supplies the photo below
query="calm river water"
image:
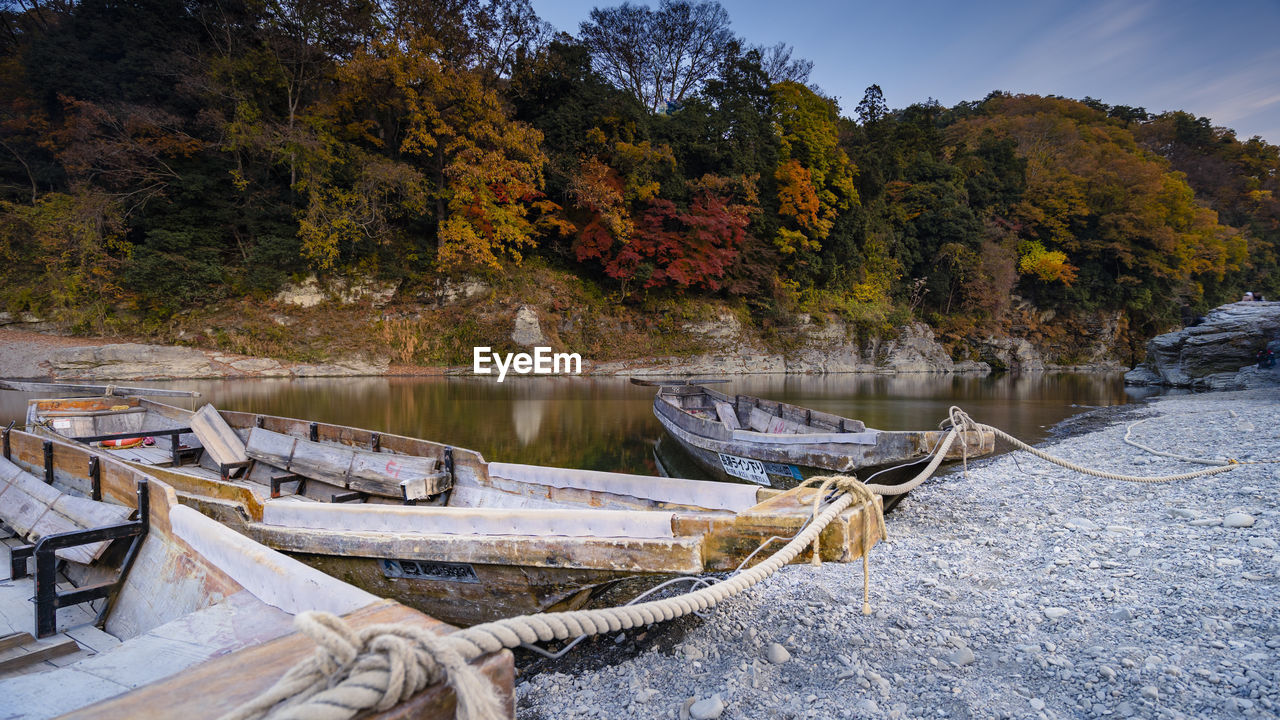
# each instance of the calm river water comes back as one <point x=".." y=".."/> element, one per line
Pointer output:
<point x="604" y="423"/>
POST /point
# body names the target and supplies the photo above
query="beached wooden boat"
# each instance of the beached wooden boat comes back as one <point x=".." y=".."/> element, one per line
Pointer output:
<point x="192" y="619"/>
<point x="440" y="528"/>
<point x="746" y="438"/>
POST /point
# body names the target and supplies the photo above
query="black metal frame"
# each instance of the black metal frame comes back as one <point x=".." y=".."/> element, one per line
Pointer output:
<point x="48" y="462"/>
<point x="95" y="478"/>
<point x="279" y="480"/>
<point x="224" y="469"/>
<point x="176" y="452"/>
<point x="348" y="497"/>
<point x="48" y="599"/>
<point x="7" y="430"/>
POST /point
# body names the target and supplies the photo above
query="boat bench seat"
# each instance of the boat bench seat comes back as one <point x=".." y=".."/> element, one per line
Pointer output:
<point x="764" y="422"/>
<point x="378" y="473"/>
<point x="34" y="509"/>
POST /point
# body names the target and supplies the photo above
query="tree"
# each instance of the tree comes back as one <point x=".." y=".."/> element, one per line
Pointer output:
<point x="406" y="135"/>
<point x="872" y="108"/>
<point x="660" y="57"/>
<point x="814" y="176"/>
<point x="778" y="65"/>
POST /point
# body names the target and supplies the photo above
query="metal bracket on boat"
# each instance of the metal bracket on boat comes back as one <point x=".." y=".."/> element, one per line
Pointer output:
<point x="95" y="478"/>
<point x="348" y="497"/>
<point x="48" y="462"/>
<point x="375" y="442"/>
<point x="6" y="439"/>
<point x="258" y="421"/>
<point x="313" y="432"/>
<point x="48" y="598"/>
<point x="279" y="480"/>
<point x="224" y="469"/>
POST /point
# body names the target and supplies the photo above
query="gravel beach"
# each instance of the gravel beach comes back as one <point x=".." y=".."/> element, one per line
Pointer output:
<point x="1021" y="590"/>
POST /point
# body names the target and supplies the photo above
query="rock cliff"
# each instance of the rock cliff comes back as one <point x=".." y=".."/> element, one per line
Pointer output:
<point x="1218" y="354"/>
<point x="830" y="346"/>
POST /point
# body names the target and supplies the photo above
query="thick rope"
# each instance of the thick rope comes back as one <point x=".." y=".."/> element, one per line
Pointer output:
<point x="1232" y="465"/>
<point x="378" y="666"/>
<point x="961" y="423"/>
<point x="871" y="523"/>
<point x="382" y="665"/>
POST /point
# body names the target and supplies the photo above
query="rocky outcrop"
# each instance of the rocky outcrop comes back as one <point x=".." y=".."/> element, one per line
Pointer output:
<point x="527" y="331"/>
<point x="826" y="347"/>
<point x="1011" y="353"/>
<point x="1217" y="353"/>
<point x="28" y="356"/>
<point x="130" y="361"/>
<point x="312" y="291"/>
<point x="26" y="321"/>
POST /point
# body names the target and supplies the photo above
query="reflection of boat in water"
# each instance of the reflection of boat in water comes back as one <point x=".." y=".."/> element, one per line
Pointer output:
<point x="673" y="461"/>
<point x="192" y="618"/>
<point x="745" y="438"/>
<point x="437" y="527"/>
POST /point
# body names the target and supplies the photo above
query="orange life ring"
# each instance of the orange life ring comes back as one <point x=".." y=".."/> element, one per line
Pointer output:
<point x="122" y="443"/>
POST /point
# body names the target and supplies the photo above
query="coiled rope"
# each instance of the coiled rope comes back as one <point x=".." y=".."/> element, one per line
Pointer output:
<point x="382" y="665"/>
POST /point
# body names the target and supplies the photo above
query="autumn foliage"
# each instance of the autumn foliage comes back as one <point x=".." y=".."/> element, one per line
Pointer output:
<point x="156" y="157"/>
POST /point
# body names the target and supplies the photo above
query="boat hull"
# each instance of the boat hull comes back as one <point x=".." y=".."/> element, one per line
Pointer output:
<point x="784" y="465"/>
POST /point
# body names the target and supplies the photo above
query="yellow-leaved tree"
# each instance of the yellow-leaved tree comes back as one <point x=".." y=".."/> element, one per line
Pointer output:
<point x="405" y="137"/>
<point x="814" y="175"/>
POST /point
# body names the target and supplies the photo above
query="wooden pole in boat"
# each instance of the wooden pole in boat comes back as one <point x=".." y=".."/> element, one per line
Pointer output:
<point x="119" y="390"/>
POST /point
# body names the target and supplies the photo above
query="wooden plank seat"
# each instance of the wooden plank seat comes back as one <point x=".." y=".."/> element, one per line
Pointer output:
<point x="35" y="510"/>
<point x="221" y="442"/>
<point x="408" y="477"/>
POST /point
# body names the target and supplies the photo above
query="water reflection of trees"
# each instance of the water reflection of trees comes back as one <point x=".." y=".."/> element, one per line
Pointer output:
<point x="607" y="423"/>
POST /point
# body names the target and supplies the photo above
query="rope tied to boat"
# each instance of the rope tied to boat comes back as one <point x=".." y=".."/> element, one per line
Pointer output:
<point x="381" y="665"/>
<point x="871" y="523"/>
<point x="375" y="668"/>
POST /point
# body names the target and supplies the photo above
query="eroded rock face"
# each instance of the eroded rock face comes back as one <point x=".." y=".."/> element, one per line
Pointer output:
<point x="312" y="291"/>
<point x="130" y="361"/>
<point x="915" y="350"/>
<point x="527" y="330"/>
<point x="1212" y="354"/>
<point x="1010" y="353"/>
<point x="827" y="347"/>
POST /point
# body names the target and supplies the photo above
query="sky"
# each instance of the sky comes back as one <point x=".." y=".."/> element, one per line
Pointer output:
<point x="1217" y="59"/>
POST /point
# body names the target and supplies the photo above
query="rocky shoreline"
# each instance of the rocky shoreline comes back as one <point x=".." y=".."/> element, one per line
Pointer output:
<point x="37" y="355"/>
<point x="1020" y="590"/>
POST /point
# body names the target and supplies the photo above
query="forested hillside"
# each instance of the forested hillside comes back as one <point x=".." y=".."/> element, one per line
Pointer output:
<point x="161" y="157"/>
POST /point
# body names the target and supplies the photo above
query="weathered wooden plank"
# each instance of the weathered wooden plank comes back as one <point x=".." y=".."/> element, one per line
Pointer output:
<point x="37" y="651"/>
<point x="15" y="639"/>
<point x="672" y="555"/>
<point x="344" y="466"/>
<point x="217" y="437"/>
<point x="216" y="686"/>
<point x="727" y="416"/>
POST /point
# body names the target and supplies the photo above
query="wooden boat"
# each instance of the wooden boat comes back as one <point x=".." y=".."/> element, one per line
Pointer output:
<point x="746" y="438"/>
<point x="440" y="528"/>
<point x="192" y="620"/>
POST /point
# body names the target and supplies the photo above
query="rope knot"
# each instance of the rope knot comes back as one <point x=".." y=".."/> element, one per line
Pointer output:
<point x="374" y="668"/>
